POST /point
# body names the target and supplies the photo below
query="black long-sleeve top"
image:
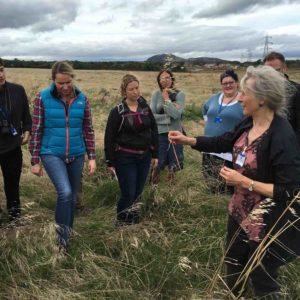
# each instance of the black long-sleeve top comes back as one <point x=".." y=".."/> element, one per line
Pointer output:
<point x="136" y="131"/>
<point x="294" y="108"/>
<point x="13" y="99"/>
<point x="278" y="162"/>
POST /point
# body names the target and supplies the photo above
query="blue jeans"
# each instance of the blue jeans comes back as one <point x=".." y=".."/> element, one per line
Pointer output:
<point x="166" y="155"/>
<point x="132" y="171"/>
<point x="66" y="179"/>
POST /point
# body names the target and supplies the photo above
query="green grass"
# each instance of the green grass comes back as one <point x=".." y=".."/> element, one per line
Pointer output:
<point x="172" y="254"/>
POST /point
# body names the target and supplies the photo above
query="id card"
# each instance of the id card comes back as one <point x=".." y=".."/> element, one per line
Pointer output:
<point x="218" y="120"/>
<point x="240" y="160"/>
<point x="13" y="131"/>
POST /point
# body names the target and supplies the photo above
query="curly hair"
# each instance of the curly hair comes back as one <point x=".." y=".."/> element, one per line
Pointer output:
<point x="128" y="78"/>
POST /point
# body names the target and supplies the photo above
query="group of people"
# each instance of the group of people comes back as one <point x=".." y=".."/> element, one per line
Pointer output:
<point x="251" y="135"/>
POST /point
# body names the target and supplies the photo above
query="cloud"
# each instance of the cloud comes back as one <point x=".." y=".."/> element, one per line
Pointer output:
<point x="106" y="21"/>
<point x="149" y="5"/>
<point x="223" y="8"/>
<point x="39" y="15"/>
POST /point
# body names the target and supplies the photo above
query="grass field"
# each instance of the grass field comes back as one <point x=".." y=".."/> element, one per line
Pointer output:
<point x="174" y="253"/>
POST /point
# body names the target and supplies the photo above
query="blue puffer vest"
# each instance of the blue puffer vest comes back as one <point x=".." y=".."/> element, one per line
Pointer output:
<point x="62" y="131"/>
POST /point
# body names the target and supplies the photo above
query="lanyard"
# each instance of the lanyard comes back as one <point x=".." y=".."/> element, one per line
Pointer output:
<point x="227" y="104"/>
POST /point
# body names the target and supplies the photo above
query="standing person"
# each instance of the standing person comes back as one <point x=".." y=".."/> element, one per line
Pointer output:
<point x="262" y="234"/>
<point x="15" y="126"/>
<point x="277" y="61"/>
<point x="167" y="105"/>
<point x="131" y="140"/>
<point x="221" y="112"/>
<point x="62" y="133"/>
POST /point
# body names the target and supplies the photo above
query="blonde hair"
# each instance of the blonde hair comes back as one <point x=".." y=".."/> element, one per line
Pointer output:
<point x="62" y="67"/>
<point x="269" y="86"/>
<point x="128" y="78"/>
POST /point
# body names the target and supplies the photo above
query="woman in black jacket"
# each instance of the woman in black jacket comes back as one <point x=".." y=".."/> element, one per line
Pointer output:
<point x="131" y="140"/>
<point x="263" y="226"/>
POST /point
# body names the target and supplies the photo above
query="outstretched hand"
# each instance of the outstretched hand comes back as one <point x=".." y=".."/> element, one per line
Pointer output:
<point x="177" y="137"/>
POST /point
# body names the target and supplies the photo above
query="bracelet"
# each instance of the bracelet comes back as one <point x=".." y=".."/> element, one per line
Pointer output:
<point x="251" y="186"/>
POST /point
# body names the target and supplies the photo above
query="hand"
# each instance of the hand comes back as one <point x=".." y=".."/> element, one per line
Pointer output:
<point x="92" y="166"/>
<point x="232" y="177"/>
<point x="112" y="172"/>
<point x="177" y="137"/>
<point x="165" y="94"/>
<point x="25" y="137"/>
<point x="154" y="163"/>
<point x="37" y="170"/>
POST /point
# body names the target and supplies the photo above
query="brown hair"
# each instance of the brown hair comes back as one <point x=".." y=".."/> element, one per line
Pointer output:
<point x="171" y="75"/>
<point x="62" y="67"/>
<point x="128" y="78"/>
<point x="274" y="55"/>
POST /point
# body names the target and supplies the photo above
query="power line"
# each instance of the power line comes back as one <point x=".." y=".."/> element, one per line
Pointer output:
<point x="267" y="43"/>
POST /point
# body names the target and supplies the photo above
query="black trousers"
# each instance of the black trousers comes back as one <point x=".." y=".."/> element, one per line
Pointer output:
<point x="240" y="250"/>
<point x="11" y="166"/>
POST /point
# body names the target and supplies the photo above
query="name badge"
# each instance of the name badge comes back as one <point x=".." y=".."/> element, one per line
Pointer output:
<point x="240" y="160"/>
<point x="218" y="120"/>
<point x="13" y="131"/>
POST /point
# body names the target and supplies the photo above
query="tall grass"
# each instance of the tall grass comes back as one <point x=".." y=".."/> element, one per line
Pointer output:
<point x="174" y="253"/>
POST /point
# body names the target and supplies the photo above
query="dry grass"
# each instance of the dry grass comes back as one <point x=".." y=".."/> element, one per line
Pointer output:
<point x="174" y="253"/>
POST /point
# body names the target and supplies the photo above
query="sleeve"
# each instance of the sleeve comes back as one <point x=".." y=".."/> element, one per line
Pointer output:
<point x="26" y="117"/>
<point x="216" y="144"/>
<point x="154" y="135"/>
<point x="285" y="166"/>
<point x="297" y="113"/>
<point x="88" y="131"/>
<point x="37" y="130"/>
<point x="205" y="107"/>
<point x="222" y="143"/>
<point x="161" y="119"/>
<point x="175" y="109"/>
<point x="111" y="132"/>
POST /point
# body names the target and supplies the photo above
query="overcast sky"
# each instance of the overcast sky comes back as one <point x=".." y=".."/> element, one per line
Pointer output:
<point x="137" y="29"/>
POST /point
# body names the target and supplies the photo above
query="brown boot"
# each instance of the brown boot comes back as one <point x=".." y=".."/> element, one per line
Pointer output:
<point x="79" y="201"/>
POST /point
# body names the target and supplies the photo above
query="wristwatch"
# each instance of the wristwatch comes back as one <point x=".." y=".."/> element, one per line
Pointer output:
<point x="250" y="187"/>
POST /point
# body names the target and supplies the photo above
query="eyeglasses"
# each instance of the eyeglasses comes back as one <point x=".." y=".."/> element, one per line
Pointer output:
<point x="228" y="83"/>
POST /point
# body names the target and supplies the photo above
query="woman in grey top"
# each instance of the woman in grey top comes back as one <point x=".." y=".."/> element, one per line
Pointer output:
<point x="167" y="105"/>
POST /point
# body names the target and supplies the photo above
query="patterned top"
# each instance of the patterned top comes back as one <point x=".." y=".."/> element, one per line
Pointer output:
<point x="244" y="206"/>
<point x="37" y="130"/>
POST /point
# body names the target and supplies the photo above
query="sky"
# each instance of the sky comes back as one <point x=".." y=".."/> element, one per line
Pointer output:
<point x="90" y="30"/>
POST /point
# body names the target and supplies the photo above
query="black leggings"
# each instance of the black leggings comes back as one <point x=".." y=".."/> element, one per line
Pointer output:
<point x="263" y="277"/>
<point x="11" y="166"/>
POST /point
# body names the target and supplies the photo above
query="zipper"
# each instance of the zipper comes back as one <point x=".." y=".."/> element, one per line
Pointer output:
<point x="67" y="108"/>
